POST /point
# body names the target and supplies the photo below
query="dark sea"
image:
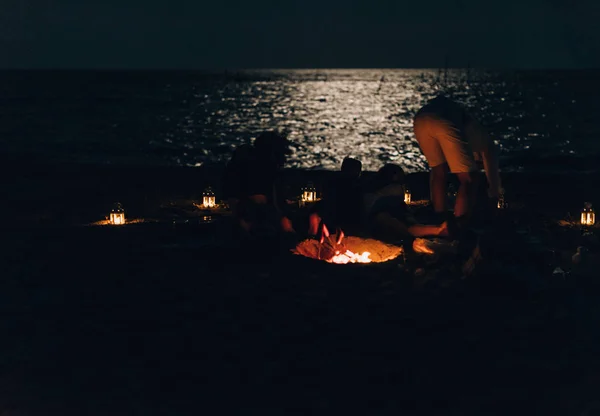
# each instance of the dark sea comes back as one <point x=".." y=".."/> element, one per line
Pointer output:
<point x="546" y="120"/>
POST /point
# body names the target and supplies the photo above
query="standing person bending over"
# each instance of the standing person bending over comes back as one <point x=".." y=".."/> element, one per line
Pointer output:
<point x="452" y="140"/>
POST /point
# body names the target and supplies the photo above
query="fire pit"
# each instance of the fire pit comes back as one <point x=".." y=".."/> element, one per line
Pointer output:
<point x="339" y="250"/>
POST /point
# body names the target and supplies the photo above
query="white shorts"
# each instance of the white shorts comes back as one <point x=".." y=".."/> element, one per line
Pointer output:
<point x="443" y="142"/>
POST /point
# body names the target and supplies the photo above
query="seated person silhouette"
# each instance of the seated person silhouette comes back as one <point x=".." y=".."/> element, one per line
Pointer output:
<point x="342" y="203"/>
<point x="386" y="215"/>
<point x="252" y="184"/>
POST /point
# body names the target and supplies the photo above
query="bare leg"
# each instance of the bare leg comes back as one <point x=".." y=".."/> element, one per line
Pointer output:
<point x="286" y="225"/>
<point x="466" y="195"/>
<point x="314" y="220"/>
<point x="419" y="230"/>
<point x="395" y="228"/>
<point x="437" y="186"/>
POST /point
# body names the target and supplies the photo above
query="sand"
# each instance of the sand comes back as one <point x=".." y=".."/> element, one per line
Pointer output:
<point x="379" y="251"/>
<point x="99" y="319"/>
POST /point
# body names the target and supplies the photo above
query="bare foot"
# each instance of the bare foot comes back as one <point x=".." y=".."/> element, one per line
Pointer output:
<point x="286" y="225"/>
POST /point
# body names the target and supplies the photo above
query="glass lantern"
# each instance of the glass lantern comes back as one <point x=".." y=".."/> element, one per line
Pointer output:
<point x="208" y="198"/>
<point x="407" y="196"/>
<point x="588" y="216"/>
<point x="309" y="194"/>
<point x="502" y="200"/>
<point x="117" y="215"/>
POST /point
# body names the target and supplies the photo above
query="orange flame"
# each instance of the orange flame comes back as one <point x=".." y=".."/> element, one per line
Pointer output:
<point x="340" y="238"/>
<point x="341" y="258"/>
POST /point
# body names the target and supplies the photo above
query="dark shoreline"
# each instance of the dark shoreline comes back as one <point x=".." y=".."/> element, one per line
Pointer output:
<point x="74" y="193"/>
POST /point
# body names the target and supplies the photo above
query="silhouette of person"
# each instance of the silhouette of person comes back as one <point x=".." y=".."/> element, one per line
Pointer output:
<point x="454" y="141"/>
<point x="251" y="182"/>
<point x="386" y="213"/>
<point x="342" y="204"/>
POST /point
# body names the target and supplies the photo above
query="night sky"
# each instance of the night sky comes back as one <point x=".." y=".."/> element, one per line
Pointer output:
<point x="234" y="34"/>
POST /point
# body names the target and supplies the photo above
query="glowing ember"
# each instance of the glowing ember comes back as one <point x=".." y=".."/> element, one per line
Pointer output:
<point x="340" y="249"/>
<point x="350" y="257"/>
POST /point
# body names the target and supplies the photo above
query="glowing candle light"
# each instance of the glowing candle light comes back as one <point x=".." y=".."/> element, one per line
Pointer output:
<point x="588" y="216"/>
<point x="117" y="215"/>
<point x="407" y="196"/>
<point x="502" y="200"/>
<point x="309" y="194"/>
<point x="208" y="198"/>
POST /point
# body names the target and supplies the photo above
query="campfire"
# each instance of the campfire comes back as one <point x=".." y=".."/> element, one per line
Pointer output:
<point x="340" y="249"/>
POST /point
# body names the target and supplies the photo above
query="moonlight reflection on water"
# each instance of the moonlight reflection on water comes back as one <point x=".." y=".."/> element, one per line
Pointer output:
<point x="355" y="114"/>
<point x="193" y="118"/>
<point x="350" y="118"/>
<point x="368" y="114"/>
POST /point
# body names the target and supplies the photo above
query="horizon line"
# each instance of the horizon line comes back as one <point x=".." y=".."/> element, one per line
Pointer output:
<point x="213" y="70"/>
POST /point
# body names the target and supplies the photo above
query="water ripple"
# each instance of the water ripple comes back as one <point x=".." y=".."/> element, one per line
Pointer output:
<point x="195" y="118"/>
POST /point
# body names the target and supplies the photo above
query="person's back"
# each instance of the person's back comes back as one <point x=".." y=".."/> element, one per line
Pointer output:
<point x="251" y="181"/>
<point x="348" y="194"/>
<point x="235" y="179"/>
<point x="342" y="201"/>
<point x="445" y="108"/>
<point x="254" y="169"/>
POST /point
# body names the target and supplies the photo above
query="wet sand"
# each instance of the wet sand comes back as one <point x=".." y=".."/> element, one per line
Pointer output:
<point x="163" y="318"/>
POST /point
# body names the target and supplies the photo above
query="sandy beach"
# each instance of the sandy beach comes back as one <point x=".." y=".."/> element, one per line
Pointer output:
<point x="163" y="317"/>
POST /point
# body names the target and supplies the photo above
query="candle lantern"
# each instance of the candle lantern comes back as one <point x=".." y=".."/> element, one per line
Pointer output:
<point x="208" y="198"/>
<point x="309" y="194"/>
<point x="502" y="200"/>
<point x="588" y="216"/>
<point x="407" y="196"/>
<point x="117" y="215"/>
